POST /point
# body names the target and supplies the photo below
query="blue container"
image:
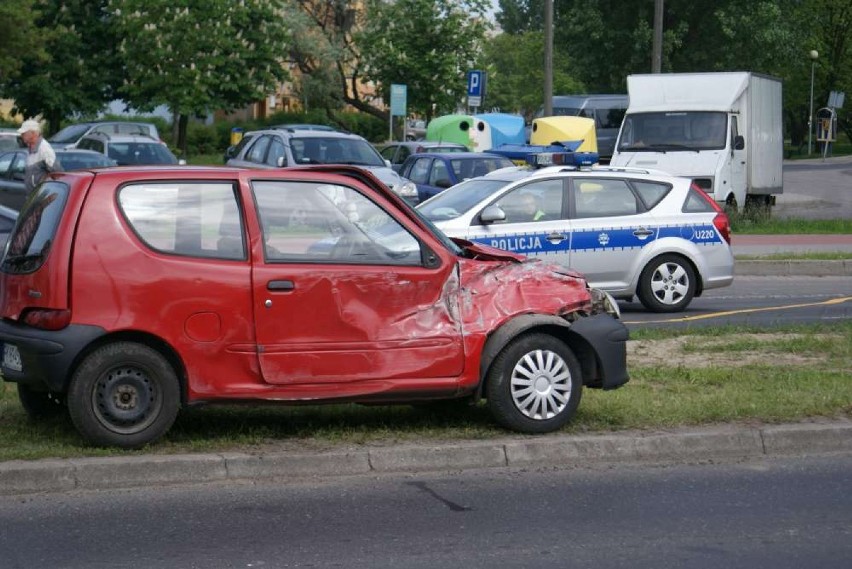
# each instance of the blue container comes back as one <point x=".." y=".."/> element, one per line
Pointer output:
<point x="505" y="128"/>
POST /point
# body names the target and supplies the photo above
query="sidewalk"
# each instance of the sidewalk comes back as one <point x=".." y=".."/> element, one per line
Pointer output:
<point x="761" y="245"/>
<point x="726" y="442"/>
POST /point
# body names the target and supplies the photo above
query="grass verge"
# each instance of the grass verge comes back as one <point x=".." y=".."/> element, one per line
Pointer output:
<point x="709" y="376"/>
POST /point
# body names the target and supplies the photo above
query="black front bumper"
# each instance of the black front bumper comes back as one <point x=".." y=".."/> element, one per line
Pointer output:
<point x="46" y="355"/>
<point x="608" y="337"/>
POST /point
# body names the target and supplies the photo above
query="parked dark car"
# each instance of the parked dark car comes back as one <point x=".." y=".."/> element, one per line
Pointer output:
<point x="169" y="287"/>
<point x="12" y="188"/>
<point x="129" y="150"/>
<point x="398" y="152"/>
<point x="8" y="217"/>
<point x="434" y="172"/>
<point x="10" y="139"/>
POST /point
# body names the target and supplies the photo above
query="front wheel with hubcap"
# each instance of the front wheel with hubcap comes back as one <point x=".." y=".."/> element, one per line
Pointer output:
<point x="124" y="394"/>
<point x="667" y="284"/>
<point x="534" y="384"/>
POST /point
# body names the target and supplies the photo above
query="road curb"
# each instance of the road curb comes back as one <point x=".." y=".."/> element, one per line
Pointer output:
<point x="790" y="268"/>
<point x="19" y="477"/>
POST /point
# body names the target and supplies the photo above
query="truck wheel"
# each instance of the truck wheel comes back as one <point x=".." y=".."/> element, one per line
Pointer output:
<point x="534" y="384"/>
<point x="731" y="205"/>
<point x="667" y="284"/>
<point x="125" y="395"/>
<point x="758" y="208"/>
<point x="40" y="404"/>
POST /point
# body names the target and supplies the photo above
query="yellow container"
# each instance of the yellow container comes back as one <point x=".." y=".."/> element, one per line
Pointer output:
<point x="548" y="130"/>
<point x="236" y="135"/>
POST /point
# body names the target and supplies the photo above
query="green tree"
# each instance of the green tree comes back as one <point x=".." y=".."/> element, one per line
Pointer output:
<point x="515" y="65"/>
<point x="196" y="57"/>
<point x="19" y="37"/>
<point x="427" y="45"/>
<point x="74" y="69"/>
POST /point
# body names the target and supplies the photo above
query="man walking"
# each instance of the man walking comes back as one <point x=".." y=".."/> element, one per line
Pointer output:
<point x="41" y="159"/>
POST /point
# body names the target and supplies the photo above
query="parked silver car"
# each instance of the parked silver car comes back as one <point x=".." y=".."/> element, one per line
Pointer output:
<point x="278" y="148"/>
<point x="69" y="136"/>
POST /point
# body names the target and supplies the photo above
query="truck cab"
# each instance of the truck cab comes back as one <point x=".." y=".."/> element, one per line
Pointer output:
<point x="722" y="130"/>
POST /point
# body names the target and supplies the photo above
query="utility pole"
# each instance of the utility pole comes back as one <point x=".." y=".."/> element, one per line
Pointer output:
<point x="657" y="56"/>
<point x="548" y="58"/>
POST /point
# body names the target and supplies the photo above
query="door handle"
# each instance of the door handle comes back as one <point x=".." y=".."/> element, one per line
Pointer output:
<point x="556" y="238"/>
<point x="280" y="285"/>
<point x="641" y="233"/>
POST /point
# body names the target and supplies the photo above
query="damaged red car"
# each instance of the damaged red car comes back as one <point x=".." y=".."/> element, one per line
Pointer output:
<point x="130" y="293"/>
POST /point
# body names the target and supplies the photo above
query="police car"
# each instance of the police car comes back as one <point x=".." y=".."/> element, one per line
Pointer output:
<point x="631" y="232"/>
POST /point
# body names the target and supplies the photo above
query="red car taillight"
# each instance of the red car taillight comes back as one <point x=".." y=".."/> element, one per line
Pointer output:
<point x="47" y="319"/>
<point x="721" y="221"/>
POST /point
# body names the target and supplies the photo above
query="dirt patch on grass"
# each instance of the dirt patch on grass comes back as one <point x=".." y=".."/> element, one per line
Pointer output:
<point x="703" y="351"/>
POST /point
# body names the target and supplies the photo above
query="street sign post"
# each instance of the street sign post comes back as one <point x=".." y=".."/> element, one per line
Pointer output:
<point x="398" y="104"/>
<point x="475" y="87"/>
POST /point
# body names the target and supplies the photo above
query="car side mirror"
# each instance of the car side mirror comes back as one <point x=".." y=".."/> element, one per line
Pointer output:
<point x="387" y="163"/>
<point x="739" y="142"/>
<point x="182" y="162"/>
<point x="491" y="214"/>
<point x="443" y="183"/>
<point x="229" y="153"/>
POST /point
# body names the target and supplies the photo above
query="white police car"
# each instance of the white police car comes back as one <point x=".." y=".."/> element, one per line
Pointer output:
<point x="629" y="231"/>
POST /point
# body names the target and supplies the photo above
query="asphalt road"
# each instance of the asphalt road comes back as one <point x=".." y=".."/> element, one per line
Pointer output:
<point x="763" y="301"/>
<point x="816" y="189"/>
<point x="770" y="513"/>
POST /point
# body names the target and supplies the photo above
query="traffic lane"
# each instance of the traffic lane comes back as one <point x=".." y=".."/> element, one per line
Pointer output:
<point x="782" y="513"/>
<point x="757" y="301"/>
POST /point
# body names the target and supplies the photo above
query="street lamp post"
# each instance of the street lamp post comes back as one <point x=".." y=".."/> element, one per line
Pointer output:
<point x="814" y="55"/>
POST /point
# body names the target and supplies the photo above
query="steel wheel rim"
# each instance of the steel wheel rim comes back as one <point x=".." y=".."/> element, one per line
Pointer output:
<point x="541" y="385"/>
<point x="670" y="283"/>
<point x="125" y="400"/>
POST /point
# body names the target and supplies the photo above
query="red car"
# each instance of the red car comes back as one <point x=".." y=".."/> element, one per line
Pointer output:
<point x="131" y="292"/>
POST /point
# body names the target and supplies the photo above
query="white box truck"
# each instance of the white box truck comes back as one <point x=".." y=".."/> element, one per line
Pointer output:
<point x="723" y="130"/>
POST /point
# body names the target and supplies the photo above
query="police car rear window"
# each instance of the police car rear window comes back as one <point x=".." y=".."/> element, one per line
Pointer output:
<point x="697" y="203"/>
<point x="651" y="192"/>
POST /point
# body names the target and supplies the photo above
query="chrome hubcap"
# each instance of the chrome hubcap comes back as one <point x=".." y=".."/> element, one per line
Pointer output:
<point x="541" y="385"/>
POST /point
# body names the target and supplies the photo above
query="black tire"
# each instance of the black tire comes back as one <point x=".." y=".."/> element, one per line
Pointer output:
<point x="125" y="395"/>
<point x="40" y="404"/>
<point x="534" y="385"/>
<point x="667" y="284"/>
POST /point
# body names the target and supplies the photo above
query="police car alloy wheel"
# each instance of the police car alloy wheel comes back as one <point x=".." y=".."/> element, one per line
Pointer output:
<point x="667" y="284"/>
<point x="534" y="384"/>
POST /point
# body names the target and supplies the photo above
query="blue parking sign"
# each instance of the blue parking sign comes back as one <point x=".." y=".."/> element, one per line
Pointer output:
<point x="475" y="87"/>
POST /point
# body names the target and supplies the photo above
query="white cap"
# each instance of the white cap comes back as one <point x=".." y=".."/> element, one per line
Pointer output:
<point x="30" y="125"/>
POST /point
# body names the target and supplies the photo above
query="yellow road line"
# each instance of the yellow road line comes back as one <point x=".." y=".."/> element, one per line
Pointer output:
<point x="840" y="300"/>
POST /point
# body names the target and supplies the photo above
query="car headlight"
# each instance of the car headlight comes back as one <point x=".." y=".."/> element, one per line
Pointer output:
<point x="407" y="189"/>
<point x="603" y="301"/>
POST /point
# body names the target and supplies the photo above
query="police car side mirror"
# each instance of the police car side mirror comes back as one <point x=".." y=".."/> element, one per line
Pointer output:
<point x="491" y="214"/>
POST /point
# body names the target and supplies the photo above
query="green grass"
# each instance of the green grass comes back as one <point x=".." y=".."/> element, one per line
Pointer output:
<point x="206" y="160"/>
<point x="658" y="396"/>
<point x="740" y="223"/>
